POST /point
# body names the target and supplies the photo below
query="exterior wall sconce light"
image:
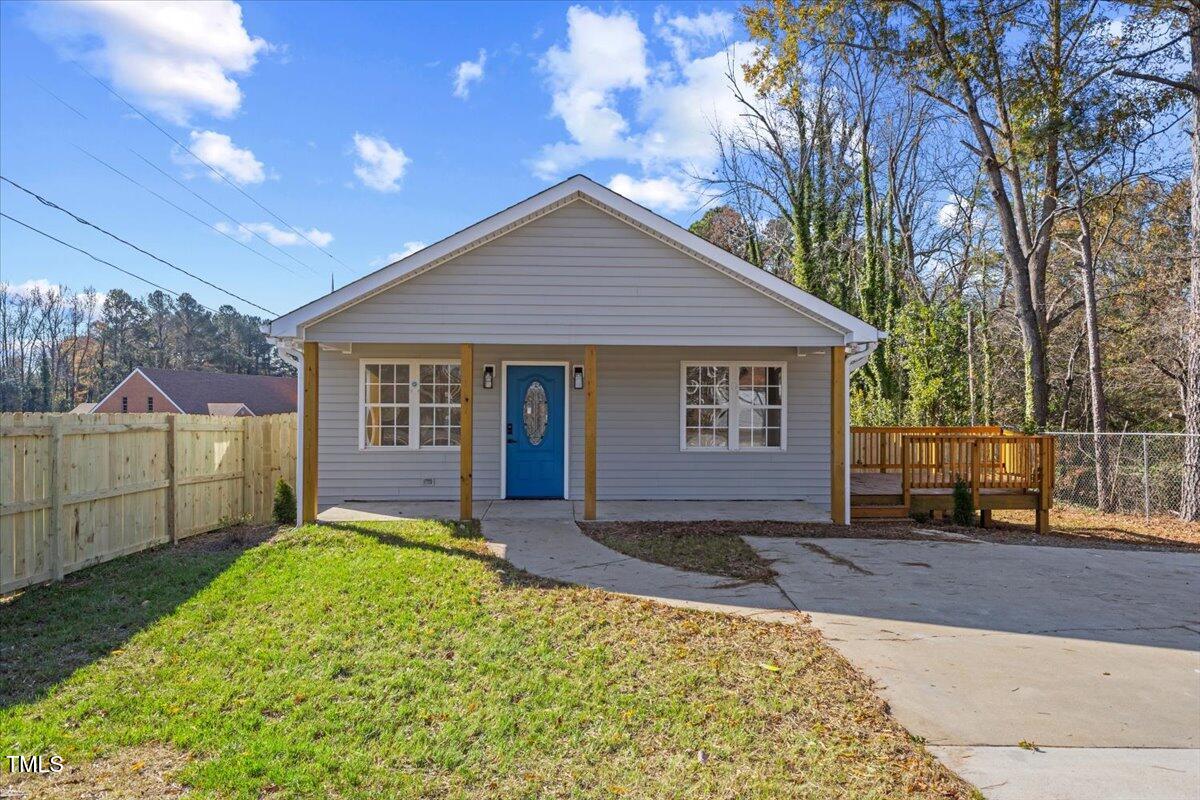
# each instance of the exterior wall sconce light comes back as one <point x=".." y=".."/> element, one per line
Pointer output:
<point x="489" y="375"/>
<point x="577" y="376"/>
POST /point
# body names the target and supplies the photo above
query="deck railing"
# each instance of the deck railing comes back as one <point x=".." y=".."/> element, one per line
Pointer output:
<point x="984" y="458"/>
<point x="878" y="449"/>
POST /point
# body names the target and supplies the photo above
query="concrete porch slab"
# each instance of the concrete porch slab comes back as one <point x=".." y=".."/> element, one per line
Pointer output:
<point x="382" y="511"/>
<point x="606" y="510"/>
<point x="706" y="510"/>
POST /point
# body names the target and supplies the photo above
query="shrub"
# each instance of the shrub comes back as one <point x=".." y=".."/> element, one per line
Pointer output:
<point x="285" y="503"/>
<point x="964" y="504"/>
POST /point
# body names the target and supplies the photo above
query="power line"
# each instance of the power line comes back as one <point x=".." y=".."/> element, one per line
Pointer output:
<point x="183" y="186"/>
<point x="56" y="97"/>
<point x="220" y="211"/>
<point x="96" y="258"/>
<point x="182" y="210"/>
<point x="214" y="170"/>
<point x="128" y="243"/>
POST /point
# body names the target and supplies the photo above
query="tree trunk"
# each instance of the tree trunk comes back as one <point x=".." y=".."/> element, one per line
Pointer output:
<point x="1189" y="505"/>
<point x="1087" y="275"/>
<point x="971" y="365"/>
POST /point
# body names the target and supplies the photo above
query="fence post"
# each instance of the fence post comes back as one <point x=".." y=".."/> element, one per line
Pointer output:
<point x="905" y="478"/>
<point x="57" y="453"/>
<point x="245" y="483"/>
<point x="172" y="476"/>
<point x="1146" y="474"/>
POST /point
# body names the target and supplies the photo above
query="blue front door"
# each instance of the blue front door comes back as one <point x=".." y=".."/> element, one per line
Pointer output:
<point x="534" y="431"/>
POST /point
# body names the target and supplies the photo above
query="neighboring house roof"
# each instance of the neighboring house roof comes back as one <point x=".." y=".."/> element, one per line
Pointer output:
<point x="192" y="392"/>
<point x="579" y="187"/>
<point x="229" y="410"/>
<point x="84" y="408"/>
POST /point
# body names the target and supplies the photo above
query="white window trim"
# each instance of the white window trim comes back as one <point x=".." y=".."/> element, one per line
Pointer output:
<point x="734" y="445"/>
<point x="414" y="404"/>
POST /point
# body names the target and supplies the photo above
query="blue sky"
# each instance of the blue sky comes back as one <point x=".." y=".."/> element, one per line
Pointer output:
<point x="372" y="128"/>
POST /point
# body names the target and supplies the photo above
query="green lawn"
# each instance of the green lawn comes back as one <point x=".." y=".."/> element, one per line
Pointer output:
<point x="400" y="659"/>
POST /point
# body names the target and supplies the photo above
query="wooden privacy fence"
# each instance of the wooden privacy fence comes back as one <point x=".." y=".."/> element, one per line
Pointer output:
<point x="79" y="489"/>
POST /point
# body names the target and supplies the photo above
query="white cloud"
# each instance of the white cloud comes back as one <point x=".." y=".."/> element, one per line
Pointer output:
<point x="175" y="58"/>
<point x="40" y="285"/>
<point x="46" y="287"/>
<point x="277" y="236"/>
<point x="617" y="103"/>
<point x="685" y="33"/>
<point x="391" y="258"/>
<point x="681" y="113"/>
<point x="664" y="194"/>
<point x="218" y="150"/>
<point x="466" y="73"/>
<point x="957" y="211"/>
<point x="604" y="54"/>
<point x="380" y="165"/>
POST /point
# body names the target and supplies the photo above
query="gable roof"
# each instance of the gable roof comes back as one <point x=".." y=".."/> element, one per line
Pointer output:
<point x="192" y="391"/>
<point x="578" y="187"/>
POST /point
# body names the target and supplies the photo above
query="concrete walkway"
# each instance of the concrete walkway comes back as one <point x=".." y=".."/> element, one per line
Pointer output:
<point x="1092" y="655"/>
<point x="541" y="537"/>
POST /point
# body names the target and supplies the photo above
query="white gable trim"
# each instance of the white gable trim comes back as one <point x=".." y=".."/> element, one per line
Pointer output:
<point x="138" y="371"/>
<point x="291" y="325"/>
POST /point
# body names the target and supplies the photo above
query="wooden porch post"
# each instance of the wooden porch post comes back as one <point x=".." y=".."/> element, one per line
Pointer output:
<point x="466" y="437"/>
<point x="837" y="434"/>
<point x="1045" y="484"/>
<point x="308" y="505"/>
<point x="589" y="431"/>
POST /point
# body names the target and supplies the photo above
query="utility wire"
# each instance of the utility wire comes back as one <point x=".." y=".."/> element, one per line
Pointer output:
<point x="181" y="185"/>
<point x="214" y="170"/>
<point x="182" y="210"/>
<point x="221" y="211"/>
<point x="96" y="258"/>
<point x="56" y="97"/>
<point x="128" y="243"/>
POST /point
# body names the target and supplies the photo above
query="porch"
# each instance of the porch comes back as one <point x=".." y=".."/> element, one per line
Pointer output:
<point x="610" y="427"/>
<point x="899" y="471"/>
<point x="568" y="510"/>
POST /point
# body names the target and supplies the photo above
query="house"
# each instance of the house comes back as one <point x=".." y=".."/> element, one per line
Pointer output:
<point x="83" y="408"/>
<point x="574" y="345"/>
<point x="217" y="394"/>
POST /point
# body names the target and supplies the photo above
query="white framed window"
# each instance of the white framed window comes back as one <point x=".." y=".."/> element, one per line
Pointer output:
<point x="410" y="404"/>
<point x="733" y="405"/>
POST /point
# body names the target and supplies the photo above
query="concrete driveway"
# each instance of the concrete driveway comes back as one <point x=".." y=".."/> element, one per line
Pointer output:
<point x="1091" y="655"/>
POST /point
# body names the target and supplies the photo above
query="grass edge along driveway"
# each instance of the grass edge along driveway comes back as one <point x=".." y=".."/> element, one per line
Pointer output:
<point x="401" y="659"/>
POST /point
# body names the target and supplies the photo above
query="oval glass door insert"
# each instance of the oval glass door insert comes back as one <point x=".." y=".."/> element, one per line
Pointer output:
<point x="537" y="413"/>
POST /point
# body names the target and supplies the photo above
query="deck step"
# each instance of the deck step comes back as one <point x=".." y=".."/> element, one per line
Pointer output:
<point x="880" y="512"/>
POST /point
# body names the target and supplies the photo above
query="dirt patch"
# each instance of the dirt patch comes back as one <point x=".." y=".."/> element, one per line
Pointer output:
<point x="690" y="547"/>
<point x="132" y="772"/>
<point x="236" y="537"/>
<point x="1074" y="527"/>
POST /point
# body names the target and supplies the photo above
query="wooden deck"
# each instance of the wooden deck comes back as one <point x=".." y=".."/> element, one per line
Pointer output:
<point x="898" y="472"/>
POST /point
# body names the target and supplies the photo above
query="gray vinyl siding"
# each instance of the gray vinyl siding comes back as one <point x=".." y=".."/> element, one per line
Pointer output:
<point x="575" y="276"/>
<point x="638" y="417"/>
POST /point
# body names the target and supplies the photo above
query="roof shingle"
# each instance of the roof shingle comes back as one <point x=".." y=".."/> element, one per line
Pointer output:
<point x="193" y="391"/>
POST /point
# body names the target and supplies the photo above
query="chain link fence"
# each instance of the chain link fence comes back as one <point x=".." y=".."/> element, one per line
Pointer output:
<point x="1141" y="473"/>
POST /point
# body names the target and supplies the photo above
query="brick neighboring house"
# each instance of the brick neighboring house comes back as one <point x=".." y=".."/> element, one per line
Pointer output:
<point x="189" y="392"/>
